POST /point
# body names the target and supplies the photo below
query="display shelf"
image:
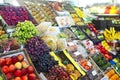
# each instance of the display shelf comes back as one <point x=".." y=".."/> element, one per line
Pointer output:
<point x="42" y="76"/>
<point x="73" y="62"/>
<point x="57" y="59"/>
<point x="107" y="15"/>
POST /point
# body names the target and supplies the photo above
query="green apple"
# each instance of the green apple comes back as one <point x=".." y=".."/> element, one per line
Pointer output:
<point x="1" y="78"/>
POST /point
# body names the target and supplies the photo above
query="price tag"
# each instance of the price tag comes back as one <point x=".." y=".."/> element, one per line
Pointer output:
<point x="77" y="53"/>
<point x="71" y="44"/>
<point x="89" y="64"/>
<point x="94" y="73"/>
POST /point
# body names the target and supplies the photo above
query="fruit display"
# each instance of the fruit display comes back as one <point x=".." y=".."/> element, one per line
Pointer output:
<point x="88" y="44"/>
<point x="67" y="33"/>
<point x="3" y="33"/>
<point x="39" y="53"/>
<point x="35" y="46"/>
<point x="106" y="45"/>
<point x="76" y="19"/>
<point x="104" y="52"/>
<point x="103" y="9"/>
<point x="85" y="64"/>
<point x="64" y="46"/>
<point x="117" y="65"/>
<point x="111" y="34"/>
<point x="51" y="41"/>
<point x="67" y="6"/>
<point x="36" y="11"/>
<point x="101" y="62"/>
<point x="92" y="28"/>
<point x="17" y="66"/>
<point x="49" y="12"/>
<point x="44" y="63"/>
<point x="24" y="31"/>
<point x="79" y="12"/>
<point x="58" y="73"/>
<point x="75" y="74"/>
<point x="112" y="75"/>
<point x="70" y="65"/>
<point x="12" y="15"/>
<point x="116" y="21"/>
<point x="64" y="21"/>
<point x="9" y="44"/>
<point x="78" y="33"/>
<point x="56" y="5"/>
<point x="54" y="42"/>
<point x="71" y="47"/>
<point x="76" y="50"/>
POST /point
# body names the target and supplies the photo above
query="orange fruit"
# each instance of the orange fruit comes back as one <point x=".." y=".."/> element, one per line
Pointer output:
<point x="114" y="77"/>
<point x="112" y="71"/>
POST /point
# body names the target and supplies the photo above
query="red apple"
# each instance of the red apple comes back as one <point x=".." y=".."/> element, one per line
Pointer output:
<point x="30" y="69"/>
<point x="24" y="78"/>
<point x="2" y="62"/>
<point x="14" y="59"/>
<point x="5" y="69"/>
<point x="9" y="76"/>
<point x="32" y="76"/>
<point x="20" y="57"/>
<point x="8" y="60"/>
<point x="12" y="68"/>
<point x="25" y="64"/>
<point x="23" y="71"/>
<point x="17" y="73"/>
<point x="17" y="78"/>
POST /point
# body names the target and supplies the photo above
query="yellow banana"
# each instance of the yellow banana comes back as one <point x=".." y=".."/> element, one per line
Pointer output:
<point x="108" y="32"/>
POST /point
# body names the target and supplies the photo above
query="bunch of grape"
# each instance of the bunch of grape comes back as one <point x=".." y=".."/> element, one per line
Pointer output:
<point x="35" y="46"/>
<point x="39" y="53"/>
<point x="24" y="31"/>
<point x="58" y="73"/>
<point x="44" y="63"/>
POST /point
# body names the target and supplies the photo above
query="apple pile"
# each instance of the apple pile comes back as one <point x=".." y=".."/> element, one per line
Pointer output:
<point x="17" y="68"/>
<point x="12" y="15"/>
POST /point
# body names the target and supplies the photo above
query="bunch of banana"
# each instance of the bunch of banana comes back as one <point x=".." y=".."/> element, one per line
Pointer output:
<point x="111" y="34"/>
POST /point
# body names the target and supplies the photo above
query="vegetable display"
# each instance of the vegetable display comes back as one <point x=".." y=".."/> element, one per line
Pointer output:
<point x="101" y="62"/>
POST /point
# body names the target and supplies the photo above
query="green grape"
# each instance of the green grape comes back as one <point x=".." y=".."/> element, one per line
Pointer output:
<point x="24" y="31"/>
